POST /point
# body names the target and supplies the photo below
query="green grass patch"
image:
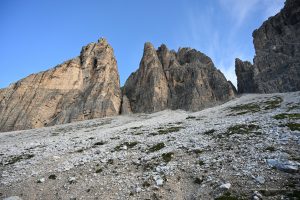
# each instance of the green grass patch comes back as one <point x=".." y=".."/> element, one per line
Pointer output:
<point x="292" y="126"/>
<point x="167" y="157"/>
<point x="270" y="103"/>
<point x="157" y="147"/>
<point x="245" y="108"/>
<point x="169" y="130"/>
<point x="293" y="107"/>
<point x="17" y="158"/>
<point x="287" y="116"/>
<point x="99" y="170"/>
<point x="273" y="103"/>
<point x="242" y="129"/>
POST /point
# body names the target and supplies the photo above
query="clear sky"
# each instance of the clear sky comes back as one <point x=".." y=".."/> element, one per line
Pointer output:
<point x="36" y="35"/>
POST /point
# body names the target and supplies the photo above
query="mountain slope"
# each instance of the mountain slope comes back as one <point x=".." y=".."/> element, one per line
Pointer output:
<point x="248" y="144"/>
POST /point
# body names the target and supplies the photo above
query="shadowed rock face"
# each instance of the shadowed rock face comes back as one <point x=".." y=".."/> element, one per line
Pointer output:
<point x="166" y="79"/>
<point x="245" y="76"/>
<point x="276" y="65"/>
<point x="82" y="88"/>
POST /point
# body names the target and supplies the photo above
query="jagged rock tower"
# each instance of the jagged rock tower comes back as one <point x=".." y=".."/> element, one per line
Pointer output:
<point x="82" y="88"/>
<point x="166" y="79"/>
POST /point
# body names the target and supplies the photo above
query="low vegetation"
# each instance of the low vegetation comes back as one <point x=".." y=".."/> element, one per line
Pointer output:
<point x="273" y="103"/>
<point x="17" y="158"/>
<point x="292" y="106"/>
<point x="167" y="157"/>
<point x="242" y="129"/>
<point x="157" y="147"/>
<point x="245" y="108"/>
<point x="208" y="132"/>
<point x="287" y="116"/>
<point x="167" y="130"/>
<point x="292" y="126"/>
<point x="99" y="170"/>
<point x="269" y="104"/>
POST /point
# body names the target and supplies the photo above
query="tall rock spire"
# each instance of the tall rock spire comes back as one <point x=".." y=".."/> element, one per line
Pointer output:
<point x="185" y="80"/>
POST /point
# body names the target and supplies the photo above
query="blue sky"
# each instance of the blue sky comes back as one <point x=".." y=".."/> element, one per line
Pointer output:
<point x="37" y="35"/>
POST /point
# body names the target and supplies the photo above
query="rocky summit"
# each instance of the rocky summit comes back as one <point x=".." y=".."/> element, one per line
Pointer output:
<point x="82" y="88"/>
<point x="276" y="65"/>
<point x="166" y="79"/>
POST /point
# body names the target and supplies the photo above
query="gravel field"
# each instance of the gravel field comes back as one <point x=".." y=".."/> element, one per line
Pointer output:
<point x="247" y="148"/>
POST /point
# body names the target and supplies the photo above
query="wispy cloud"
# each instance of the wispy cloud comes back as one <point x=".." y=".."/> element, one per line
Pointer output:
<point x="222" y="42"/>
<point x="239" y="9"/>
<point x="203" y="34"/>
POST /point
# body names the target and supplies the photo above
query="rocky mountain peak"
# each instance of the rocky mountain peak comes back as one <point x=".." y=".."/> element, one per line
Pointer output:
<point x="149" y="50"/>
<point x="102" y="41"/>
<point x="169" y="80"/>
<point x="276" y="65"/>
<point x="82" y="88"/>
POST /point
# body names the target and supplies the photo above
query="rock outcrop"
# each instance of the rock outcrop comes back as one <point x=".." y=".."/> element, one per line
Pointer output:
<point x="82" y="88"/>
<point x="166" y="79"/>
<point x="245" y="73"/>
<point x="126" y="109"/>
<point x="276" y="65"/>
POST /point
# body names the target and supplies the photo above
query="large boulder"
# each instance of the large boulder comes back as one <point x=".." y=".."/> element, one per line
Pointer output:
<point x="276" y="65"/>
<point x="166" y="79"/>
<point x="82" y="88"/>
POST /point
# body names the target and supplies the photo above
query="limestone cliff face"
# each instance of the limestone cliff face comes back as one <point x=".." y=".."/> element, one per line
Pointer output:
<point x="166" y="79"/>
<point x="276" y="65"/>
<point x="82" y="88"/>
<point x="245" y="71"/>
